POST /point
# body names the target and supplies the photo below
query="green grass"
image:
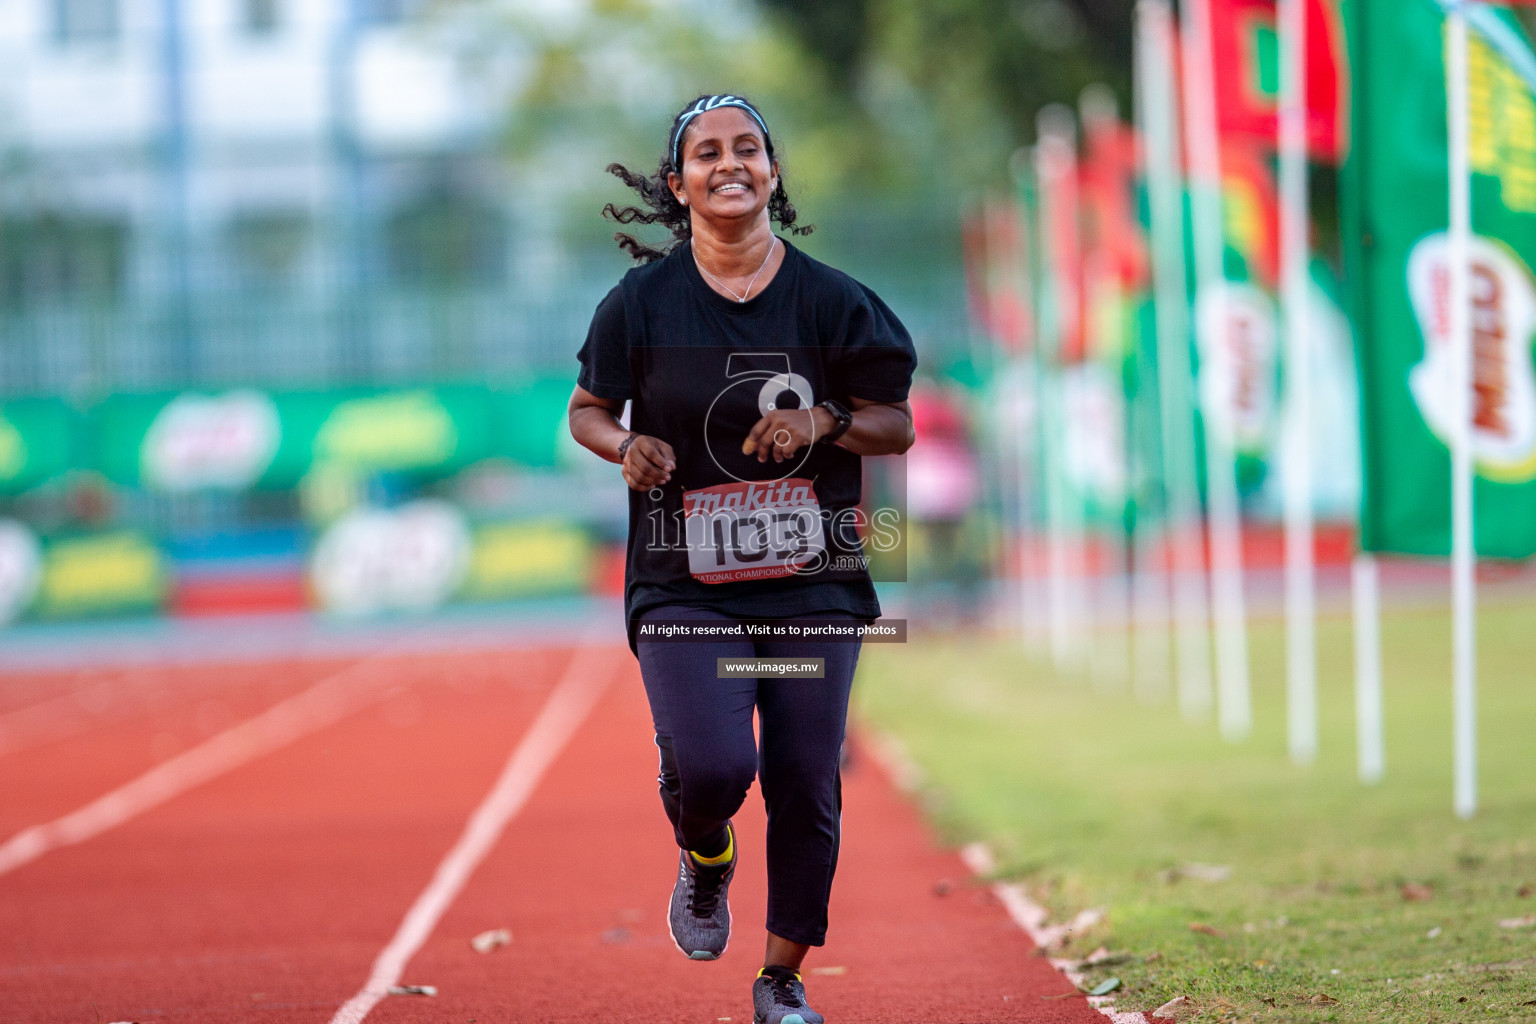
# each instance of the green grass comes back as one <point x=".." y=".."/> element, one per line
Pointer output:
<point x="1093" y="799"/>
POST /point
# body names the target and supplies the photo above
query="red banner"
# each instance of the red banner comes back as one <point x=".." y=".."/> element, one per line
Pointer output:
<point x="1061" y="242"/>
<point x="1246" y="41"/>
<point x="997" y="275"/>
<point x="1110" y="223"/>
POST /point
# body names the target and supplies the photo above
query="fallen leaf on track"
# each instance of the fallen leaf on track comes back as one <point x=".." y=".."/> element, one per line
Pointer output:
<point x="1105" y="987"/>
<point x="413" y="990"/>
<point x="839" y="969"/>
<point x="1057" y="935"/>
<point x="1176" y="1008"/>
<point x="1205" y="929"/>
<point x="1528" y="921"/>
<point x="1414" y="892"/>
<point x="1322" y="999"/>
<point x="489" y="942"/>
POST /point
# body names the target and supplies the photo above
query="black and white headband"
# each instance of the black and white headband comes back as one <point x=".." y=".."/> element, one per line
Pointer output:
<point x="704" y="106"/>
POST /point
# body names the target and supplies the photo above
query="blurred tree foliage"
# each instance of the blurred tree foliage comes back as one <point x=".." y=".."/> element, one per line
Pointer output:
<point x="987" y="65"/>
<point x="878" y="97"/>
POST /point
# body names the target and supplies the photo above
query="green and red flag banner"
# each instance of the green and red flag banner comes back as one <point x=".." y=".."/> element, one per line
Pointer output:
<point x="1395" y="190"/>
<point x="997" y="274"/>
<point x="1251" y="211"/>
<point x="1116" y="277"/>
<point x="1246" y="42"/>
<point x="1060" y="226"/>
<point x="1239" y="361"/>
<point x="1110" y="221"/>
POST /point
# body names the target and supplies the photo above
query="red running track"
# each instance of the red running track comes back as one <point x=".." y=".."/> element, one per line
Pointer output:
<point x="267" y="892"/>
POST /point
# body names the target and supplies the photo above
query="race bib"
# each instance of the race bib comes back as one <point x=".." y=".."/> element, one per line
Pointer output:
<point x="752" y="530"/>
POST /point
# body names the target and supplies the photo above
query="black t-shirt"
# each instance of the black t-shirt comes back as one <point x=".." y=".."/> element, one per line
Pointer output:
<point x="700" y="370"/>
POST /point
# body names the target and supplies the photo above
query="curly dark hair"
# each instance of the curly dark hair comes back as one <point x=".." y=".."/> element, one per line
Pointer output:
<point x="662" y="207"/>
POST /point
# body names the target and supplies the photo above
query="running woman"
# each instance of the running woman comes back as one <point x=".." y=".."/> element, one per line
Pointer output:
<point x="756" y="378"/>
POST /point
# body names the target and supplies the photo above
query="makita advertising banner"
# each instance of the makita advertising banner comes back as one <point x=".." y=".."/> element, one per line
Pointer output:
<point x="1395" y="194"/>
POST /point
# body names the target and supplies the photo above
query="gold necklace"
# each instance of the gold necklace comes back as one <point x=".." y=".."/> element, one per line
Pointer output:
<point x="743" y="296"/>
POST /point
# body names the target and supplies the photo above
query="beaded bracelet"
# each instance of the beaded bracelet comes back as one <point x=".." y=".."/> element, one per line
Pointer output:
<point x="624" y="445"/>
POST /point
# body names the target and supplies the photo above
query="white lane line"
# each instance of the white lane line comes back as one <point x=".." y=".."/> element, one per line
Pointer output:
<point x="1032" y="918"/>
<point x="567" y="707"/>
<point x="324" y="703"/>
<point x="86" y="707"/>
<point x="49" y="719"/>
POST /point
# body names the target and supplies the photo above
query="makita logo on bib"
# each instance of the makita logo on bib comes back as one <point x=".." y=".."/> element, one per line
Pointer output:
<point x="749" y="497"/>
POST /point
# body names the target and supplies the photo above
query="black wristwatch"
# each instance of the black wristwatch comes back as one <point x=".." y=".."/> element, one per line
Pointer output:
<point x="843" y="418"/>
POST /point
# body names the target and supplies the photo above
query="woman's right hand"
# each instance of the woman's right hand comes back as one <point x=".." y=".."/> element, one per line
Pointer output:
<point x="648" y="463"/>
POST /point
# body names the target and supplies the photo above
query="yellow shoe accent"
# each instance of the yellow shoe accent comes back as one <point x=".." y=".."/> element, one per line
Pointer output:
<point x="763" y="970"/>
<point x="723" y="858"/>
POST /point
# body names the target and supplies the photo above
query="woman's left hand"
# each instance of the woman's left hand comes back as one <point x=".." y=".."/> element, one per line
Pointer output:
<point x="784" y="432"/>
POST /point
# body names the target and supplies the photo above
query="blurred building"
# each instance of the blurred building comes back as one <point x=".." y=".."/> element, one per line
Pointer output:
<point x="285" y="192"/>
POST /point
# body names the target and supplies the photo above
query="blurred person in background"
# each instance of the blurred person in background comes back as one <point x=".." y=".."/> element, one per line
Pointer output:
<point x="734" y="348"/>
<point x="943" y="489"/>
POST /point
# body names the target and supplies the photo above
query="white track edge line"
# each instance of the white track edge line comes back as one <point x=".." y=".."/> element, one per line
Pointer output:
<point x="68" y="715"/>
<point x="322" y="704"/>
<point x="887" y="751"/>
<point x="39" y="722"/>
<point x="563" y="712"/>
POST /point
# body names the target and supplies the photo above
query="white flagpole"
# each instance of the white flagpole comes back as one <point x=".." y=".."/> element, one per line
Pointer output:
<point x="1031" y="475"/>
<point x="1463" y="552"/>
<point x="1100" y="116"/>
<point x="1300" y="611"/>
<point x="1058" y="602"/>
<point x="1202" y="136"/>
<point x="1031" y="596"/>
<point x="1015" y="417"/>
<point x="1109" y="653"/>
<point x="1031" y="479"/>
<point x="1366" y="592"/>
<point x="1056" y="154"/>
<point x="1150" y="576"/>
<point x="1191" y="636"/>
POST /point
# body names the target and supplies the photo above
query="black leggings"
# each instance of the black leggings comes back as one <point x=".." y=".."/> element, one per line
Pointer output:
<point x="709" y="757"/>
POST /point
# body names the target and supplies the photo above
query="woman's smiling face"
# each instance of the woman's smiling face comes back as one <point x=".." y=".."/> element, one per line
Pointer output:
<point x="726" y="173"/>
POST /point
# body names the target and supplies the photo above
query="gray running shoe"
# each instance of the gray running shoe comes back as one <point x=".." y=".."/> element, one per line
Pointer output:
<point x="779" y="998"/>
<point x="699" y="917"/>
